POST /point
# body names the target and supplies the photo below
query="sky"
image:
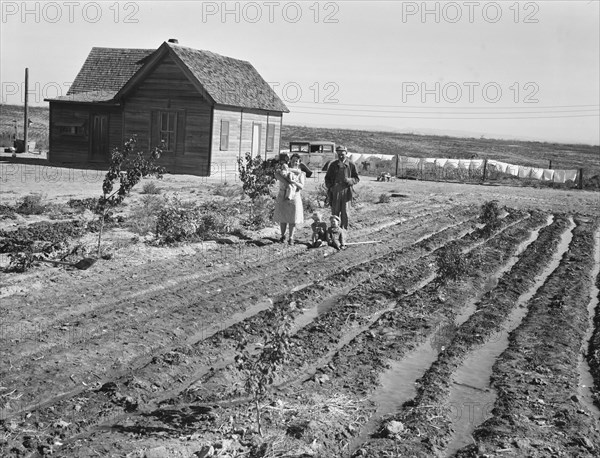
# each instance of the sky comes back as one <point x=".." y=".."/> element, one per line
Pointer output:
<point x="507" y="69"/>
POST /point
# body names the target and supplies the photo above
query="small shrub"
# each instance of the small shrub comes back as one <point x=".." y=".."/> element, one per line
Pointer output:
<point x="489" y="215"/>
<point x="144" y="217"/>
<point x="259" y="370"/>
<point x="261" y="215"/>
<point x="384" y="198"/>
<point x="183" y="221"/>
<point x="451" y="264"/>
<point x="7" y="211"/>
<point x="90" y="203"/>
<point x="151" y="188"/>
<point x="31" y="205"/>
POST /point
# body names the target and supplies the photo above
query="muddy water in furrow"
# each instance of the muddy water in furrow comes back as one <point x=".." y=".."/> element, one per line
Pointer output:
<point x="398" y="383"/>
<point x="586" y="380"/>
<point x="471" y="397"/>
<point x="470" y="306"/>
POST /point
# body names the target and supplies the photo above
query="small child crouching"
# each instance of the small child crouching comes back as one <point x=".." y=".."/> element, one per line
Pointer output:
<point x="319" y="231"/>
<point x="335" y="234"/>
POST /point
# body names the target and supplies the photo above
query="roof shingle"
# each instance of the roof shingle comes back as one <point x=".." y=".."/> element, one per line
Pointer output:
<point x="228" y="81"/>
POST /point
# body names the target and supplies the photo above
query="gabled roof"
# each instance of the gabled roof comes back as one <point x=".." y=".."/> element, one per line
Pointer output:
<point x="110" y="73"/>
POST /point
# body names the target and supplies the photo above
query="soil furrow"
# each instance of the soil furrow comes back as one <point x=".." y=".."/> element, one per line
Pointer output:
<point x="207" y="386"/>
<point x="537" y="377"/>
<point x="78" y="391"/>
<point x="427" y="415"/>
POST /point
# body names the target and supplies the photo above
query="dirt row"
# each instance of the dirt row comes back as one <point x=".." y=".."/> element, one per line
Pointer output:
<point x="539" y="410"/>
<point x="167" y="355"/>
<point x="430" y="419"/>
<point x="332" y="326"/>
<point x="115" y="335"/>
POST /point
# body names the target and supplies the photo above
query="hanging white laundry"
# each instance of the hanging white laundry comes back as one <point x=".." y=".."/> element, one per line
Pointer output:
<point x="536" y="173"/>
<point x="571" y="175"/>
<point x="429" y="160"/>
<point x="464" y="164"/>
<point x="387" y="157"/>
<point x="476" y="164"/>
<point x="415" y="161"/>
<point x="559" y="176"/>
<point x="452" y="163"/>
<point x="512" y="169"/>
<point x="441" y="162"/>
<point x="365" y="157"/>
<point x="524" y="172"/>
<point x="548" y="175"/>
<point x="501" y="166"/>
<point x="353" y="157"/>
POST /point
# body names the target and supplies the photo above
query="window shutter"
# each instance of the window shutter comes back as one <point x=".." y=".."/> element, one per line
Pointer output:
<point x="224" y="135"/>
<point x="270" y="137"/>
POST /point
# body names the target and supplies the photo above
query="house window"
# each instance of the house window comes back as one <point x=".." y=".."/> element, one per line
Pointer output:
<point x="270" y="137"/>
<point x="224" y="135"/>
<point x="168" y="130"/>
<point x="75" y="129"/>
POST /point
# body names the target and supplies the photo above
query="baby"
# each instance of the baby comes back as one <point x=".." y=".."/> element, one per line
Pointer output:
<point x="319" y="231"/>
<point x="292" y="175"/>
<point x="335" y="234"/>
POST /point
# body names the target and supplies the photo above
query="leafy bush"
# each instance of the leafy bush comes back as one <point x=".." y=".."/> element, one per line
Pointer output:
<point x="257" y="176"/>
<point x="127" y="167"/>
<point x="180" y="221"/>
<point x="31" y="205"/>
<point x="151" y="188"/>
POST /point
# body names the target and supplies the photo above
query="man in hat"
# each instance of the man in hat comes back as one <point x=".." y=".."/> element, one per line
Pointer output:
<point x="341" y="176"/>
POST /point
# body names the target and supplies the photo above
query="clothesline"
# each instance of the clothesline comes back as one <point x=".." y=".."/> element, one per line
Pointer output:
<point x="554" y="175"/>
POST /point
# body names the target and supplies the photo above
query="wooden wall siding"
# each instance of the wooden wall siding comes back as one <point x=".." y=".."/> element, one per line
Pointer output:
<point x="76" y="148"/>
<point x="226" y="161"/>
<point x="167" y="88"/>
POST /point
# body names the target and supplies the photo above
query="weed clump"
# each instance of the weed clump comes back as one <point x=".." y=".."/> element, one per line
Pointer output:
<point x="384" y="198"/>
<point x="451" y="264"/>
<point x="489" y="215"/>
<point x="31" y="204"/>
<point x="151" y="188"/>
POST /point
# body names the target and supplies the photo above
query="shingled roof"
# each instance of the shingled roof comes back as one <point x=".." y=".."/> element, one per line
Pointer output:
<point x="105" y="72"/>
<point x="229" y="81"/>
<point x="226" y="80"/>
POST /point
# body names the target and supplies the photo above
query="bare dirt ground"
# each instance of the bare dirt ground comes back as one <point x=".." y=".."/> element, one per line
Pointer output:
<point x="134" y="357"/>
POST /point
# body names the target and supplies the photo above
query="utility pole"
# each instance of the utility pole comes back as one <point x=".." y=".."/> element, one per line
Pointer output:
<point x="26" y="120"/>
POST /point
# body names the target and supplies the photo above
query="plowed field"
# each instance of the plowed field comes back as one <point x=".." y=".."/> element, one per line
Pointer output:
<point x="387" y="357"/>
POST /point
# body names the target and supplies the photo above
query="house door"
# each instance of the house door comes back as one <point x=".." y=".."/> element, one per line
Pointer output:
<point x="255" y="139"/>
<point x="99" y="136"/>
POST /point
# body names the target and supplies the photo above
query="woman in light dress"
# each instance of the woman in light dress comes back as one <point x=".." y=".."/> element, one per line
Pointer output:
<point x="289" y="212"/>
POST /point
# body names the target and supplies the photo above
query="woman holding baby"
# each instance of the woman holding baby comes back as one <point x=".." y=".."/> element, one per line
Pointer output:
<point x="288" y="205"/>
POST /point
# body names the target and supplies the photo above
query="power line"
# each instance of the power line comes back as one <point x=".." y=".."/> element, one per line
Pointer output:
<point x="450" y="113"/>
<point x="443" y="108"/>
<point x="449" y="118"/>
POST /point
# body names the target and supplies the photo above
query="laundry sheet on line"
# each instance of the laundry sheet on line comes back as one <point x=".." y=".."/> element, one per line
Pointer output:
<point x="548" y="175"/>
<point x="536" y="173"/>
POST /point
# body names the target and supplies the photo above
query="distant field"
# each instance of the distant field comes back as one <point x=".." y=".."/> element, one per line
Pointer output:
<point x="535" y="154"/>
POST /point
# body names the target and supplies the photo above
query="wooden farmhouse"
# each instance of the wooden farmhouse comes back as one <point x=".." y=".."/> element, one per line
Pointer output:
<point x="205" y="109"/>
